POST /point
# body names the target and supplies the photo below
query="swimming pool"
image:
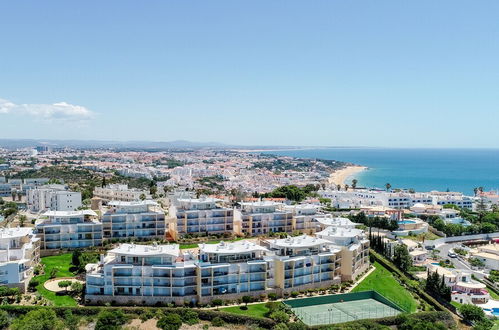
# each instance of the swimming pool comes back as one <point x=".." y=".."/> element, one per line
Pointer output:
<point x="405" y="222"/>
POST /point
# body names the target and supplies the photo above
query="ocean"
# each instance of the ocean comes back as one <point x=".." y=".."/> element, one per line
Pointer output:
<point x="419" y="169"/>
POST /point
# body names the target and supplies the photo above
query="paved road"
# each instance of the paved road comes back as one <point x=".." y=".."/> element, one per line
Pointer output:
<point x="444" y="250"/>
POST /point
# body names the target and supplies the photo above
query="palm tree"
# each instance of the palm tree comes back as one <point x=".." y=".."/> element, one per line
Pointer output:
<point x="338" y="187"/>
<point x="346" y="187"/>
<point x="388" y="186"/>
<point x="354" y="184"/>
<point x="475" y="190"/>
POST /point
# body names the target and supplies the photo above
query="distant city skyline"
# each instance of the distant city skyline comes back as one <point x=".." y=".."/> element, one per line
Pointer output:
<point x="284" y="73"/>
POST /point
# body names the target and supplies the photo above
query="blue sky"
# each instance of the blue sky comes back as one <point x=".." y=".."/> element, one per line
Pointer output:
<point x="372" y="73"/>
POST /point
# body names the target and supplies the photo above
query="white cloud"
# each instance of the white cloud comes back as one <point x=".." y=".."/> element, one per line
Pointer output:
<point x="56" y="111"/>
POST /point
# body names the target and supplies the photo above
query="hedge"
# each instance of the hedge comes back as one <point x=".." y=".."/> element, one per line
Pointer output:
<point x="444" y="317"/>
<point x="203" y="314"/>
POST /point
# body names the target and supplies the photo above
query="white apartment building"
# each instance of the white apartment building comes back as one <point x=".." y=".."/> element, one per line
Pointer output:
<point x="5" y="189"/>
<point x="263" y="217"/>
<point x="19" y="253"/>
<point x="327" y="220"/>
<point x="199" y="217"/>
<point x="69" y="230"/>
<point x="120" y="192"/>
<point x="144" y="274"/>
<point x="354" y="249"/>
<point x="303" y="217"/>
<point x="303" y="262"/>
<point x="231" y="270"/>
<point x="138" y="219"/>
<point x="54" y="198"/>
<point x="150" y="274"/>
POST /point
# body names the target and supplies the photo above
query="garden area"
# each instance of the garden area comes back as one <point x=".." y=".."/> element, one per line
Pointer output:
<point x="60" y="270"/>
<point x="383" y="281"/>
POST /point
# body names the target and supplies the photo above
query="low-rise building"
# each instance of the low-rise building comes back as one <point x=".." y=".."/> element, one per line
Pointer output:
<point x="120" y="192"/>
<point x="138" y="219"/>
<point x="19" y="254"/>
<point x="200" y="217"/>
<point x="489" y="255"/>
<point x="69" y="230"/>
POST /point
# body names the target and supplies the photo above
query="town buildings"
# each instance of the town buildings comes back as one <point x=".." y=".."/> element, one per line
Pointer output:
<point x="68" y="230"/>
<point x="200" y="217"/>
<point x="54" y="198"/>
<point x="120" y="192"/>
<point x="19" y="253"/>
<point x="136" y="219"/>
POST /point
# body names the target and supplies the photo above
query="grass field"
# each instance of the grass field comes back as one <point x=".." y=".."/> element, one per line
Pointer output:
<point x="257" y="310"/>
<point x="382" y="281"/>
<point x="62" y="263"/>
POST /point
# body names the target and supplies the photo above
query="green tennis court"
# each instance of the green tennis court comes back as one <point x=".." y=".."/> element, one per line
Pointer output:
<point x="342" y="308"/>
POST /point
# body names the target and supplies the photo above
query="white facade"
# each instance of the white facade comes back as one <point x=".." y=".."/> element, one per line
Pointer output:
<point x="260" y="218"/>
<point x="69" y="230"/>
<point x="200" y="217"/>
<point x="120" y="192"/>
<point x="54" y="198"/>
<point x="19" y="253"/>
<point x="144" y="219"/>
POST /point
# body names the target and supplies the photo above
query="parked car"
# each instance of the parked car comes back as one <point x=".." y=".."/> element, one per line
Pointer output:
<point x="452" y="255"/>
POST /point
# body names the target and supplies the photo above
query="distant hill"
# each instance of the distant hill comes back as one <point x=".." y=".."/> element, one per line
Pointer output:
<point x="26" y="143"/>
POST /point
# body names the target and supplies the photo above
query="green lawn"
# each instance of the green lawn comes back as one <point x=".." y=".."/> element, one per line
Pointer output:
<point x="493" y="295"/>
<point x="257" y="310"/>
<point x="62" y="263"/>
<point x="455" y="304"/>
<point x="382" y="281"/>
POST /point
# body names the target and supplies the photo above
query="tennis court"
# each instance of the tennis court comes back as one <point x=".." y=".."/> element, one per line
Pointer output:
<point x="342" y="308"/>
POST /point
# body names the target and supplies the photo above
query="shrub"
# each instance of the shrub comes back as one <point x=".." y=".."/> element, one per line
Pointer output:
<point x="295" y="294"/>
<point x="110" y="320"/>
<point x="170" y="321"/>
<point x="279" y="317"/>
<point x="42" y="319"/>
<point x="53" y="272"/>
<point x="217" y="302"/>
<point x="217" y="322"/>
<point x="272" y="296"/>
<point x="297" y="326"/>
<point x="280" y="326"/>
<point x="4" y="320"/>
<point x="190" y="317"/>
<point x="33" y="283"/>
<point x="471" y="312"/>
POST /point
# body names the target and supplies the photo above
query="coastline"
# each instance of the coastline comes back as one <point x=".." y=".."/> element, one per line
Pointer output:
<point x="339" y="177"/>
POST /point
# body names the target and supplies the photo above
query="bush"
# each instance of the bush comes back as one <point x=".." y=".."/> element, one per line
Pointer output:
<point x="217" y="322"/>
<point x="280" y="326"/>
<point x="41" y="319"/>
<point x="217" y="302"/>
<point x="170" y="321"/>
<point x="295" y="294"/>
<point x="272" y="296"/>
<point x="110" y="320"/>
<point x="297" y="326"/>
<point x="190" y="317"/>
<point x="53" y="272"/>
<point x="33" y="283"/>
<point x="279" y="317"/>
<point x="4" y="320"/>
<point x="471" y="312"/>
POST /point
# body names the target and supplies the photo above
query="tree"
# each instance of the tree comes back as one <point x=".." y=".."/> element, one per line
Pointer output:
<point x="71" y="320"/>
<point x="401" y="257"/>
<point x="475" y="262"/>
<point x="217" y="302"/>
<point x="190" y="317"/>
<point x="53" y="273"/>
<point x="103" y="184"/>
<point x="75" y="258"/>
<point x="40" y="319"/>
<point x="471" y="312"/>
<point x="388" y="186"/>
<point x="22" y="220"/>
<point x="4" y="319"/>
<point x="170" y="321"/>
<point x="338" y="187"/>
<point x="142" y="197"/>
<point x="354" y="183"/>
<point x="110" y="320"/>
<point x="217" y="322"/>
<point x="77" y="288"/>
<point x="64" y="284"/>
<point x="346" y="187"/>
<point x="246" y="300"/>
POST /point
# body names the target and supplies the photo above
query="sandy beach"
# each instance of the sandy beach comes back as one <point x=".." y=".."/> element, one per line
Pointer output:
<point x="340" y="176"/>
